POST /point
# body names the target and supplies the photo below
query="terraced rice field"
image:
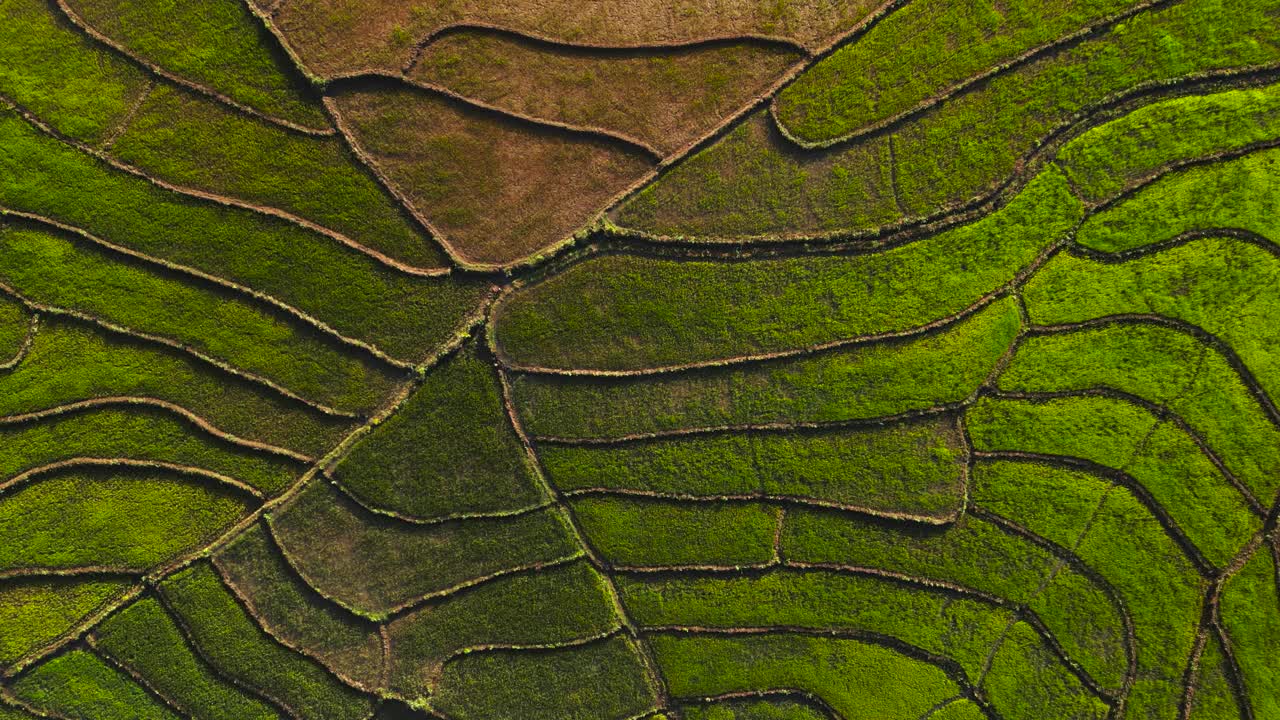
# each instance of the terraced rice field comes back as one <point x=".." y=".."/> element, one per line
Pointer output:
<point x="700" y="360"/>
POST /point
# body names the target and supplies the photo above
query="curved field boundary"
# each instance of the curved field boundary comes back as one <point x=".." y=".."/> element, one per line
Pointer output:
<point x="127" y="120"/>
<point x="63" y="642"/>
<point x="243" y="600"/>
<point x="949" y="667"/>
<point x="961" y="211"/>
<point x="462" y="652"/>
<point x="225" y="201"/>
<point x="372" y="75"/>
<point x="1199" y="333"/>
<point x="74" y="18"/>
<point x="435" y="520"/>
<point x="1097" y="28"/>
<point x="125" y="400"/>
<point x="797" y="500"/>
<point x="280" y="305"/>
<point x="982" y="302"/>
<point x="91" y="641"/>
<point x="800" y="697"/>
<point x="75" y="572"/>
<point x="774" y="427"/>
<point x="1122" y="479"/>
<point x="1161" y="413"/>
<point x="1116" y="257"/>
<point x="188" y="637"/>
<point x="26" y="476"/>
<point x="174" y="344"/>
<point x="33" y="327"/>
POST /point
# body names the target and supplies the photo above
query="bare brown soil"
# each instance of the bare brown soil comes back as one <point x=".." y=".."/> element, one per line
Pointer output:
<point x="665" y="98"/>
<point x="333" y="36"/>
<point x="494" y="190"/>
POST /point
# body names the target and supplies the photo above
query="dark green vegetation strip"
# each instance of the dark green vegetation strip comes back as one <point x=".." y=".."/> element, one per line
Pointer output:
<point x="450" y="450"/>
<point x="37" y="611"/>
<point x="53" y="269"/>
<point x="858" y="382"/>
<point x="232" y="643"/>
<point x="214" y="43"/>
<point x="753" y="184"/>
<point x="80" y="684"/>
<point x="295" y="613"/>
<point x="648" y="532"/>
<point x="140" y="433"/>
<point x="146" y="640"/>
<point x="557" y="606"/>
<point x="72" y="362"/>
<point x="919" y="52"/>
<point x="1165" y="366"/>
<point x="913" y="469"/>
<point x="376" y="565"/>
<point x="632" y="312"/>
<point x="1111" y="532"/>
<point x="564" y="684"/>
<point x="113" y="518"/>
<point x="1106" y="159"/>
<point x="406" y="316"/>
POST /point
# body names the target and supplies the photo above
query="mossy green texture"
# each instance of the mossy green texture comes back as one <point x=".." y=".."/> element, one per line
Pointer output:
<point x="1214" y="695"/>
<point x="137" y="434"/>
<point x="1161" y="458"/>
<point x="135" y="520"/>
<point x="449" y="450"/>
<point x="853" y="383"/>
<point x="772" y="709"/>
<point x="143" y="638"/>
<point x="1238" y="194"/>
<point x="407" y="316"/>
<point x="913" y="468"/>
<point x="37" y="611"/>
<point x="238" y="649"/>
<point x="375" y="564"/>
<point x="632" y="312"/>
<point x="71" y="362"/>
<point x="1110" y="531"/>
<point x="215" y="43"/>
<point x="82" y="686"/>
<point x="910" y="57"/>
<point x="192" y="141"/>
<point x="1104" y="160"/>
<point x="15" y="326"/>
<point x="1026" y="681"/>
<point x="1164" y="366"/>
<point x="557" y="605"/>
<point x="940" y="159"/>
<point x="856" y="679"/>
<point x="647" y="532"/>
<point x="961" y="629"/>
<point x="563" y="684"/>
<point x="293" y="612"/>
<point x="1221" y="285"/>
<point x="47" y="66"/>
<point x="52" y="269"/>
<point x="1250" y="611"/>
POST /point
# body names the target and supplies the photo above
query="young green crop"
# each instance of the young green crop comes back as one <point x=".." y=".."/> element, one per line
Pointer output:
<point x="238" y="649"/>
<point x="853" y="383"/>
<point x="450" y="449"/>
<point x="645" y="532"/>
<point x="632" y="312"/>
<point x="71" y="362"/>
<point x="295" y="612"/>
<point x="1251" y="614"/>
<point x="216" y="43"/>
<point x="374" y="564"/>
<point x="36" y="611"/>
<point x="556" y="605"/>
<point x="770" y="709"/>
<point x="1109" y="530"/>
<point x="80" y="684"/>
<point x="1025" y="680"/>
<point x="145" y="639"/>
<point x="116" y="519"/>
<point x="1214" y="695"/>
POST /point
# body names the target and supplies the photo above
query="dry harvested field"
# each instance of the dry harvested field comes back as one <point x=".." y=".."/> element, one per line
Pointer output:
<point x="649" y="360"/>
